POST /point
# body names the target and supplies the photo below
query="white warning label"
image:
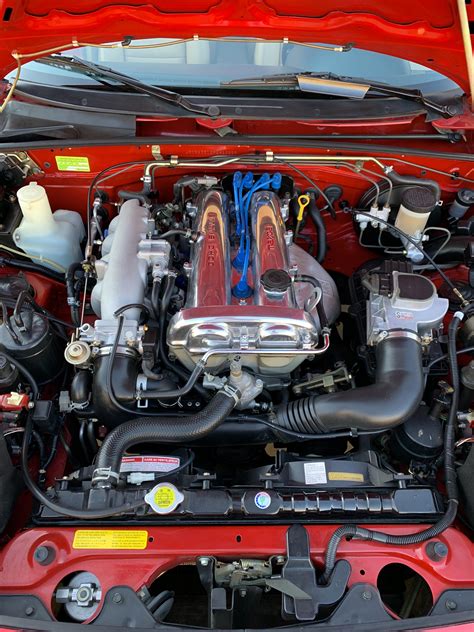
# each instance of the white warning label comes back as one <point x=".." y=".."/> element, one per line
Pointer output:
<point x="149" y="463"/>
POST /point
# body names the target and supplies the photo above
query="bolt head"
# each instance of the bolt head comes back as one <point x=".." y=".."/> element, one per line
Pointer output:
<point x="43" y="555"/>
<point x="367" y="595"/>
<point x="117" y="598"/>
<point x="204" y="561"/>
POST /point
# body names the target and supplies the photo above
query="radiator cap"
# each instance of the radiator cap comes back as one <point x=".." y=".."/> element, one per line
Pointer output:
<point x="164" y="498"/>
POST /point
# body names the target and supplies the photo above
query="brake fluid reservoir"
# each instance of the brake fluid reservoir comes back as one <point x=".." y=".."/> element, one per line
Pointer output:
<point x="42" y="233"/>
<point x="417" y="204"/>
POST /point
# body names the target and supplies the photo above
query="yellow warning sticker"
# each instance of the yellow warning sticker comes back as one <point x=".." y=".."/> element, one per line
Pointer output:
<point x="73" y="163"/>
<point x="353" y="477"/>
<point x="110" y="539"/>
<point x="164" y="497"/>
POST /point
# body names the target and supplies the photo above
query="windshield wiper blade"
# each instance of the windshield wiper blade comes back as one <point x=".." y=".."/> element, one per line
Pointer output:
<point x="100" y="73"/>
<point x="330" y="84"/>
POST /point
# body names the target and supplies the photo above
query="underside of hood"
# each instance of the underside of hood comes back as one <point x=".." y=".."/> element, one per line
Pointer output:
<point x="428" y="33"/>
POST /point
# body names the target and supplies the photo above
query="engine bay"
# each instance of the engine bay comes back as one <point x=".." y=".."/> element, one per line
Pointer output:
<point x="254" y="341"/>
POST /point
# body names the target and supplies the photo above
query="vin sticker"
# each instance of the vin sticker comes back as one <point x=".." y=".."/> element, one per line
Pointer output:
<point x="73" y="163"/>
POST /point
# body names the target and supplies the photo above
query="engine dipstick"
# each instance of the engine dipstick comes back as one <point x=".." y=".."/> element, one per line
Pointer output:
<point x="303" y="201"/>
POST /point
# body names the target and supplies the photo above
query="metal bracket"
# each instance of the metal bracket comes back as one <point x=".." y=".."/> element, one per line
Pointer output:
<point x="299" y="570"/>
<point x="156" y="152"/>
<point x="22" y="162"/>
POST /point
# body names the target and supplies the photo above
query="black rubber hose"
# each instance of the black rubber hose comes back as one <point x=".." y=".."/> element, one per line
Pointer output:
<point x="70" y="512"/>
<point x="450" y="479"/>
<point x="320" y="227"/>
<point x="412" y="181"/>
<point x="164" y="430"/>
<point x="155" y="298"/>
<point x="41" y="449"/>
<point x="395" y="396"/>
<point x="72" y="298"/>
<point x="165" y="361"/>
<point x="306" y="278"/>
<point x="453" y="252"/>
<point x="83" y="442"/>
<point x="141" y="196"/>
<point x="91" y="438"/>
<point x="175" y="232"/>
<point x="30" y="266"/>
<point x="24" y="372"/>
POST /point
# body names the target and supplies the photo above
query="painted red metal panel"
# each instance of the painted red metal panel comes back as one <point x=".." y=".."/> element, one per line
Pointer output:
<point x="170" y="546"/>
<point x="428" y="34"/>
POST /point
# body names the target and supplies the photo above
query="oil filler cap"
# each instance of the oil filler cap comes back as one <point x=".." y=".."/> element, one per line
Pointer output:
<point x="274" y="280"/>
<point x="164" y="498"/>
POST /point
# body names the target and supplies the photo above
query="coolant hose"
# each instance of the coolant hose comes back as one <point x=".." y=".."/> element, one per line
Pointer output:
<point x="395" y="395"/>
<point x="449" y="477"/>
<point x="163" y="430"/>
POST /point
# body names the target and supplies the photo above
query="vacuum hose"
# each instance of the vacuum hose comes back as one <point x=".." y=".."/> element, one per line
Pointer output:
<point x="395" y="395"/>
<point x="163" y="430"/>
<point x="320" y="228"/>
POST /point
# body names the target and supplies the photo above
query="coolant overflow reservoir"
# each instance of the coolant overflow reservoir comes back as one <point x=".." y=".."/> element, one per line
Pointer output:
<point x="44" y="234"/>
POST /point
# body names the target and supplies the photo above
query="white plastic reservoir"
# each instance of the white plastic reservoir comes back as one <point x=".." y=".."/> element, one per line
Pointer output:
<point x="42" y="233"/>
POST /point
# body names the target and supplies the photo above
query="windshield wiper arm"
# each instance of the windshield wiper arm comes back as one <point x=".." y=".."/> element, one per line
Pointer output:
<point x="331" y="84"/>
<point x="98" y="72"/>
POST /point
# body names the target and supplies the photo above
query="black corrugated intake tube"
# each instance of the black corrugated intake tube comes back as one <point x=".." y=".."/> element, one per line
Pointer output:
<point x="449" y="516"/>
<point x="395" y="395"/>
<point x="164" y="430"/>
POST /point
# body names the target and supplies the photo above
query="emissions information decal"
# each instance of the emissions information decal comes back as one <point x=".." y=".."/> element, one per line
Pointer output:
<point x="315" y="473"/>
<point x="73" y="163"/>
<point x="110" y="539"/>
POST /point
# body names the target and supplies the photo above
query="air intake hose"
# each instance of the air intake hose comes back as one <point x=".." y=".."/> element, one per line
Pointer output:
<point x="163" y="430"/>
<point x="394" y="396"/>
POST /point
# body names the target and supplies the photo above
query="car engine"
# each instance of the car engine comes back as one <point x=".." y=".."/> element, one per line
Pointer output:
<point x="239" y="348"/>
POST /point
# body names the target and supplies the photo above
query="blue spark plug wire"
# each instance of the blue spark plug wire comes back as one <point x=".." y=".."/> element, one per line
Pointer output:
<point x="246" y="183"/>
<point x="237" y="183"/>
<point x="242" y="289"/>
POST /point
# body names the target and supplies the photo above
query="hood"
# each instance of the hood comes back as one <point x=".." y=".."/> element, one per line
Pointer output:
<point x="428" y="33"/>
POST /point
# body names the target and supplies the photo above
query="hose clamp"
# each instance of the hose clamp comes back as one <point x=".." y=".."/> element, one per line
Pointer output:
<point x="121" y="351"/>
<point x="398" y="333"/>
<point x="104" y="474"/>
<point x="232" y="392"/>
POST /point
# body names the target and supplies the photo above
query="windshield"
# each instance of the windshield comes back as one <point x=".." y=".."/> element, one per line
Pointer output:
<point x="206" y="64"/>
